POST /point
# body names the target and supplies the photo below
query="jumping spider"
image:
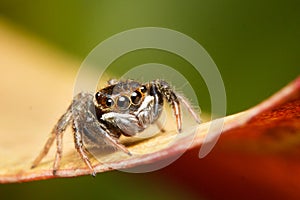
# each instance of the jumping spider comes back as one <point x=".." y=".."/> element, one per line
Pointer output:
<point x="122" y="108"/>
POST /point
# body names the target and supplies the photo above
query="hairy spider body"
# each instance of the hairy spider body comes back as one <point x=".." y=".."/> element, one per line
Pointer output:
<point x="122" y="108"/>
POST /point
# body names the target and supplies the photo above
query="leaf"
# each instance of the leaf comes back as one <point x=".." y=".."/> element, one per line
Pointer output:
<point x="32" y="103"/>
<point x="258" y="159"/>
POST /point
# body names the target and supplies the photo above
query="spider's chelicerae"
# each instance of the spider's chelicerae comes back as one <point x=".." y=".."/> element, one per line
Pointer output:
<point x="122" y="108"/>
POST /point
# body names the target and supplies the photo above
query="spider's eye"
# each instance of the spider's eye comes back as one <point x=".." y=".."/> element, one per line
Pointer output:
<point x="123" y="102"/>
<point x="98" y="97"/>
<point x="136" y="97"/>
<point x="143" y="89"/>
<point x="104" y="100"/>
<point x="109" y="102"/>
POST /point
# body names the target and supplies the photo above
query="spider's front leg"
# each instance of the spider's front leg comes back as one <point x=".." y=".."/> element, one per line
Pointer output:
<point x="165" y="90"/>
<point x="175" y="99"/>
<point x="80" y="147"/>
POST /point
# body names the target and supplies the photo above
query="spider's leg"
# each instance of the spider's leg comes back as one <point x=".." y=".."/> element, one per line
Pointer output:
<point x="189" y="108"/>
<point x="58" y="155"/>
<point x="171" y="97"/>
<point x="175" y="99"/>
<point x="164" y="88"/>
<point x="56" y="132"/>
<point x="45" y="150"/>
<point x="177" y="113"/>
<point x="81" y="149"/>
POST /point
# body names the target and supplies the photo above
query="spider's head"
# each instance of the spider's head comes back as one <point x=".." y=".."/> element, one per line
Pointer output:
<point x="121" y="97"/>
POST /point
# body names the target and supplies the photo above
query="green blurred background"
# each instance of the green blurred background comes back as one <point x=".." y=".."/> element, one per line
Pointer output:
<point x="255" y="44"/>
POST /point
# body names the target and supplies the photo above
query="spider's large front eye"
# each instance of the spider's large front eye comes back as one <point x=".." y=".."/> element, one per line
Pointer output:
<point x="123" y="102"/>
<point x="136" y="97"/>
